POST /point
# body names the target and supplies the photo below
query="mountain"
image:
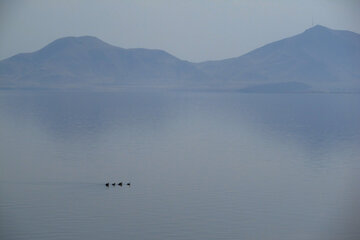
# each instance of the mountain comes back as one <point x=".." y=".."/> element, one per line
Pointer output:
<point x="89" y="62"/>
<point x="320" y="57"/>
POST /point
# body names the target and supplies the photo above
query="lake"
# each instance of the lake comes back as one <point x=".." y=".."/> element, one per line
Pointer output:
<point x="202" y="165"/>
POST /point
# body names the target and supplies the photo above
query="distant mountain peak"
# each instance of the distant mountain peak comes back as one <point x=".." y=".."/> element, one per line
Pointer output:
<point x="73" y="39"/>
<point x="318" y="29"/>
<point x="320" y="57"/>
<point x="87" y="61"/>
<point x="82" y="41"/>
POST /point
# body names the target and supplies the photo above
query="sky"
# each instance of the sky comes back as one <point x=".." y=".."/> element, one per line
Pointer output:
<point x="193" y="30"/>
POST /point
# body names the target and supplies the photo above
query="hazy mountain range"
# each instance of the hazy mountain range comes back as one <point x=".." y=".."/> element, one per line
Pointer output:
<point x="319" y="59"/>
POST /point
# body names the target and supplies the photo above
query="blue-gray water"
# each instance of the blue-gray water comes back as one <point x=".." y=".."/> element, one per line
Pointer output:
<point x="202" y="166"/>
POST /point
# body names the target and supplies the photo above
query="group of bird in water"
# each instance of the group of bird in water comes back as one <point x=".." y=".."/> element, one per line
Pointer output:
<point x="119" y="184"/>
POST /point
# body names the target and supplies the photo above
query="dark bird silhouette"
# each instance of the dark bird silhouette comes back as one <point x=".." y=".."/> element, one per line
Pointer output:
<point x="120" y="184"/>
<point x="107" y="184"/>
<point x="128" y="184"/>
<point x="113" y="184"/>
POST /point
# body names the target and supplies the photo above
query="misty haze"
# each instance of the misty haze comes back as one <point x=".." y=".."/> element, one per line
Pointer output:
<point x="103" y="140"/>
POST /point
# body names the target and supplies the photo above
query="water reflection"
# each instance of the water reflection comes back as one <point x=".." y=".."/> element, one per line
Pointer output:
<point x="202" y="165"/>
<point x="315" y="117"/>
<point x="76" y="113"/>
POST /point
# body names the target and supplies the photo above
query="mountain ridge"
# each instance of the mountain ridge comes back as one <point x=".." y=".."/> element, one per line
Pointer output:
<point x="315" y="56"/>
<point x="321" y="58"/>
<point x="67" y="61"/>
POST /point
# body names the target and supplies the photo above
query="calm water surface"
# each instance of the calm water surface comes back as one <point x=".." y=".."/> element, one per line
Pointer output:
<point x="202" y="166"/>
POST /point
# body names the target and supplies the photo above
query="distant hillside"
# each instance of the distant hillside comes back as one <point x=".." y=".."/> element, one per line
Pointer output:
<point x="90" y="62"/>
<point x="320" y="57"/>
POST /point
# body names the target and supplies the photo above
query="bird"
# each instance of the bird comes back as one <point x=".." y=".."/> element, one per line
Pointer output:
<point x="128" y="184"/>
<point x="120" y="184"/>
<point x="113" y="184"/>
<point x="107" y="184"/>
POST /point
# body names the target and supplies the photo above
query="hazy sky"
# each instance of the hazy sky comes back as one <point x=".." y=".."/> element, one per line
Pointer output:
<point x="193" y="30"/>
